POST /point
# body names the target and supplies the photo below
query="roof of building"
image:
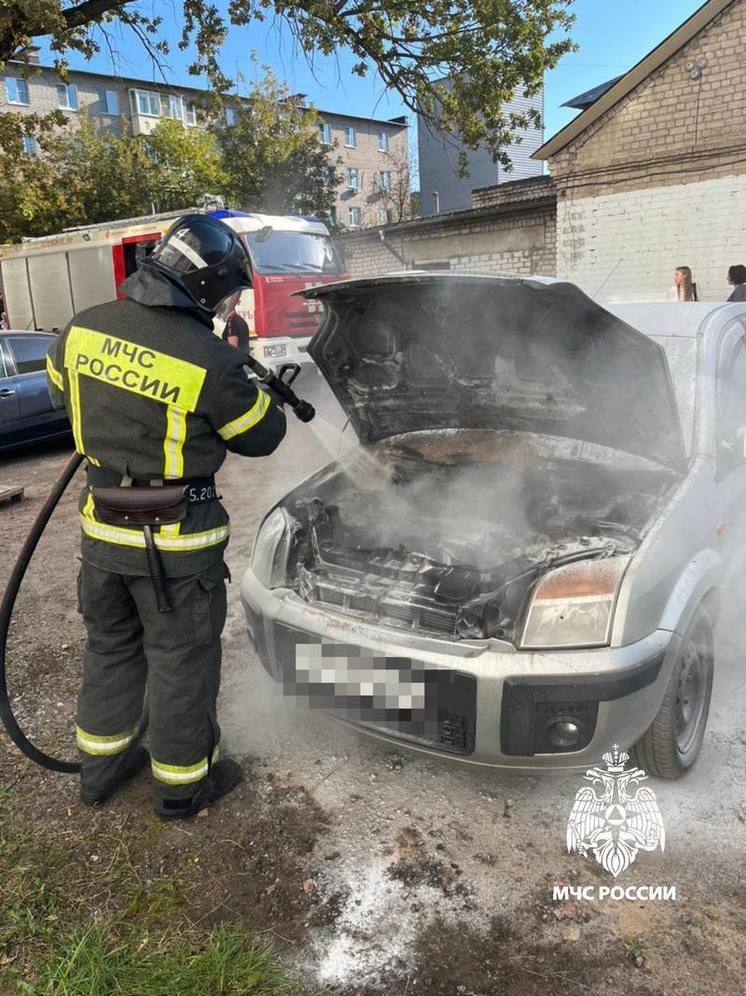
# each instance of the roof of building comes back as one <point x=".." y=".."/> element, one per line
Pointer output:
<point x="513" y="186"/>
<point x="627" y="83"/>
<point x="399" y="122"/>
<point x="539" y="191"/>
<point x="589" y="97"/>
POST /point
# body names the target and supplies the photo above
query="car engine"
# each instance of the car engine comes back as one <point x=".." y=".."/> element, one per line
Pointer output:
<point x="455" y="550"/>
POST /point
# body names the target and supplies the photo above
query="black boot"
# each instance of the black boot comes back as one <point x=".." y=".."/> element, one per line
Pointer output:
<point x="223" y="778"/>
<point x="132" y="764"/>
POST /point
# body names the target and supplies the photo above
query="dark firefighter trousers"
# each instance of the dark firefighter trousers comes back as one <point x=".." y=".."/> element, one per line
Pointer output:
<point x="176" y="654"/>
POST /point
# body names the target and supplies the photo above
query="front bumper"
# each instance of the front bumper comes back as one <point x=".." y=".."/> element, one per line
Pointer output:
<point x="484" y="701"/>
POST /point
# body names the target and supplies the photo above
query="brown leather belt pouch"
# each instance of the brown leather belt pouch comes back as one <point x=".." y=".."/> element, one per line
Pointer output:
<point x="140" y="506"/>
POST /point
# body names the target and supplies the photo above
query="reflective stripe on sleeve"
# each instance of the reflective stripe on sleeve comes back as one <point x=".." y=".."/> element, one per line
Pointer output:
<point x="54" y="376"/>
<point x="248" y="420"/>
<point x="173" y="442"/>
<point x="98" y="746"/>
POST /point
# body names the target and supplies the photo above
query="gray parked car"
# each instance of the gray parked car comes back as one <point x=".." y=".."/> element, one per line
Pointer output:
<point x="521" y="565"/>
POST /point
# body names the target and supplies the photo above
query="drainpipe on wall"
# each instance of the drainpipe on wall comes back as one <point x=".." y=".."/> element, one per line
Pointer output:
<point x="391" y="249"/>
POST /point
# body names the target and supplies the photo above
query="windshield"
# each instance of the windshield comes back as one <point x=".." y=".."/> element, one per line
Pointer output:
<point x="293" y="252"/>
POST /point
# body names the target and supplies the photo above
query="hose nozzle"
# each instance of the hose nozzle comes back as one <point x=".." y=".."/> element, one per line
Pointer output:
<point x="280" y="383"/>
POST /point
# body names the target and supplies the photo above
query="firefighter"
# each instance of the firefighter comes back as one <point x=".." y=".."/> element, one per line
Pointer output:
<point x="155" y="400"/>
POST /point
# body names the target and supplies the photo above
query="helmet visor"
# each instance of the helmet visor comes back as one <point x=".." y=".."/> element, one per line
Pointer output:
<point x="191" y="247"/>
<point x="228" y="305"/>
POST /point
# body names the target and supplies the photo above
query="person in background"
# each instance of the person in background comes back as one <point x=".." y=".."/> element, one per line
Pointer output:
<point x="684" y="288"/>
<point x="737" y="280"/>
<point x="236" y="332"/>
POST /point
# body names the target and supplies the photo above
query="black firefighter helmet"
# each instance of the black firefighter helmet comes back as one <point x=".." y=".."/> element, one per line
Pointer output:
<point x="204" y="257"/>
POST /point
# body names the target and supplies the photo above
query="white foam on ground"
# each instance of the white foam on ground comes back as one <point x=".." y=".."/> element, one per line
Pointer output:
<point x="379" y="923"/>
<point x="370" y="933"/>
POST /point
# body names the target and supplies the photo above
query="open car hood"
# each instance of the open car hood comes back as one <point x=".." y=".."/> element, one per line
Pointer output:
<point x="417" y="351"/>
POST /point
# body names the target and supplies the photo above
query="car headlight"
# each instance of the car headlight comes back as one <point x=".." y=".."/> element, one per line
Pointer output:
<point x="573" y="605"/>
<point x="269" y="557"/>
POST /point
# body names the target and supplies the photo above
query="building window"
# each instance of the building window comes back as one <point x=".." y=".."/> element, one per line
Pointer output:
<point x="230" y="116"/>
<point x="109" y="102"/>
<point x="175" y="109"/>
<point x="332" y="216"/>
<point x="191" y="114"/>
<point x="350" y="137"/>
<point x="29" y="145"/>
<point x="384" y="180"/>
<point x="67" y="96"/>
<point x="353" y="178"/>
<point x="383" y="141"/>
<point x="383" y="216"/>
<point x="148" y="103"/>
<point x="16" y="90"/>
<point x="355" y="217"/>
<point x="325" y="133"/>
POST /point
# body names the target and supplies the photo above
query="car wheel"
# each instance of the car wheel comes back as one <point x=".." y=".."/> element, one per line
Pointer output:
<point x="672" y="743"/>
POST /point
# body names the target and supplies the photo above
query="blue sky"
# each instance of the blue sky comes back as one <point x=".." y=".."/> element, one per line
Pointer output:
<point x="613" y="35"/>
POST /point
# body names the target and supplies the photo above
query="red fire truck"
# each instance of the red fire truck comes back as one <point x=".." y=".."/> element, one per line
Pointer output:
<point x="46" y="281"/>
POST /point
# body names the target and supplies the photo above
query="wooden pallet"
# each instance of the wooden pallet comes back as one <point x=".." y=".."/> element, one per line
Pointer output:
<point x="11" y="494"/>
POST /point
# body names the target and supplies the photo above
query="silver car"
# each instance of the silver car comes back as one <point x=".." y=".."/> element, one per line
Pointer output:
<point x="520" y="564"/>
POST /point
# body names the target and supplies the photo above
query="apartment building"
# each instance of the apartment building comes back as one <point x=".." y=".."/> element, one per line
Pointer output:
<point x="374" y="155"/>
<point x="371" y="149"/>
<point x="442" y="189"/>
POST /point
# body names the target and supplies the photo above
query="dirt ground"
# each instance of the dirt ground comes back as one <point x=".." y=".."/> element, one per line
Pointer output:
<point x="371" y="868"/>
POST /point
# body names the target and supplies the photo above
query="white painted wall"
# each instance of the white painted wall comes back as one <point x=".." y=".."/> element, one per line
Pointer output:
<point x="625" y="246"/>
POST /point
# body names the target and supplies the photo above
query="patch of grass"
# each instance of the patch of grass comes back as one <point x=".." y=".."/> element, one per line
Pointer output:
<point x="92" y="962"/>
<point x="634" y="948"/>
<point x="70" y="928"/>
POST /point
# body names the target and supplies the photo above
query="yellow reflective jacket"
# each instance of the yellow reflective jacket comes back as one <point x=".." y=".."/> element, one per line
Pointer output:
<point x="152" y="393"/>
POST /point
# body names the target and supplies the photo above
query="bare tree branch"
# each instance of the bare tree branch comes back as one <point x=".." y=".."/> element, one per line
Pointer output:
<point x="91" y="10"/>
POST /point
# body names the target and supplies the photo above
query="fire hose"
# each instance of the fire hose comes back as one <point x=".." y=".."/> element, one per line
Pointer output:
<point x="278" y="384"/>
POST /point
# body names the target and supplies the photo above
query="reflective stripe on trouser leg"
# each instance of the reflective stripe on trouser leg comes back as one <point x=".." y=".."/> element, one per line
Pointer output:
<point x="183" y="653"/>
<point x="99" y="746"/>
<point x="182" y="774"/>
<point x="114" y="676"/>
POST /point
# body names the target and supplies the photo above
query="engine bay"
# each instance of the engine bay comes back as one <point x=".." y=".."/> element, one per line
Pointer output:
<point x="452" y="547"/>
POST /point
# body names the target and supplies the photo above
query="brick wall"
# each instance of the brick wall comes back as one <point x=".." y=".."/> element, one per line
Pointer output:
<point x="517" y="239"/>
<point x="625" y="245"/>
<point x="659" y="180"/>
<point x="671" y="128"/>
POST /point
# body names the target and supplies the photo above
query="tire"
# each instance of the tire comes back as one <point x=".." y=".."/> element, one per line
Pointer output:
<point x="671" y="745"/>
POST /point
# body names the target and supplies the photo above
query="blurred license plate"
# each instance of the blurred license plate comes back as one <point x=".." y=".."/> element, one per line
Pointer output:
<point x="395" y="695"/>
<point x="346" y="673"/>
